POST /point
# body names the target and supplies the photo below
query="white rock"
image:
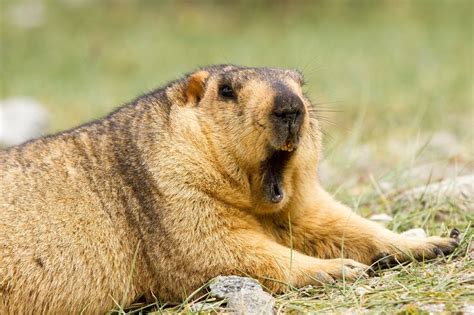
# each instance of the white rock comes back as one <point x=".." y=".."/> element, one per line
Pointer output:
<point x="415" y="233"/>
<point x="468" y="308"/>
<point x="445" y="143"/>
<point x="27" y="14"/>
<point x="458" y="191"/>
<point x="244" y="295"/>
<point x="386" y="186"/>
<point x="442" y="143"/>
<point x="247" y="302"/>
<point x="382" y="217"/>
<point x="433" y="172"/>
<point x="21" y="119"/>
<point x="222" y="286"/>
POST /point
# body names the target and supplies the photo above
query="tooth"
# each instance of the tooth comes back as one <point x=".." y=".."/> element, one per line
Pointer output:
<point x="287" y="147"/>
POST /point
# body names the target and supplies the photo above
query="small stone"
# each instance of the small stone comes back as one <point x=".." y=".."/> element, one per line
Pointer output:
<point x="386" y="186"/>
<point x="445" y="143"/>
<point x="247" y="302"/>
<point x="244" y="295"/>
<point x="21" y="119"/>
<point x="382" y="217"/>
<point x="28" y="14"/>
<point x="468" y="308"/>
<point x="222" y="286"/>
<point x="415" y="233"/>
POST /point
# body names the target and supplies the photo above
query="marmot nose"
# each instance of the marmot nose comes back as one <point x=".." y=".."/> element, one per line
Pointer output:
<point x="288" y="109"/>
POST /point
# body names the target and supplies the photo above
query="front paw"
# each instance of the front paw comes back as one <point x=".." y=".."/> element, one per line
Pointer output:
<point x="408" y="249"/>
<point x="347" y="269"/>
<point x="441" y="246"/>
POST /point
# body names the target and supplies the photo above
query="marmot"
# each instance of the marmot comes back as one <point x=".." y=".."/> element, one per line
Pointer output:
<point x="213" y="174"/>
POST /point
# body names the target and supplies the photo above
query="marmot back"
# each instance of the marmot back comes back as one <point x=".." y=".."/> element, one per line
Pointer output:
<point x="216" y="162"/>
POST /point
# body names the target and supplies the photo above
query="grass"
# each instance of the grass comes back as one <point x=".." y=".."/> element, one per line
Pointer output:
<point x="394" y="79"/>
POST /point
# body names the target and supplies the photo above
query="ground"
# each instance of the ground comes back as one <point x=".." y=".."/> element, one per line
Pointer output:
<point x="393" y="81"/>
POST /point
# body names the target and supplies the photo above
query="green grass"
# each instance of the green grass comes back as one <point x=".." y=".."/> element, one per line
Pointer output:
<point x="391" y="75"/>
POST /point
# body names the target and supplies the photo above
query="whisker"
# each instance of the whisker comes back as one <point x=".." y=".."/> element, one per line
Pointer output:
<point x="326" y="109"/>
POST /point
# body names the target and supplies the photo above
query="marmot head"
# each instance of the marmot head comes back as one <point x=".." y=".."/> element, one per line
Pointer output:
<point x="258" y="117"/>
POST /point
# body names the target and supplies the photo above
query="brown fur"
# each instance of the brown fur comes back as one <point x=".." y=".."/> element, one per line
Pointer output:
<point x="166" y="193"/>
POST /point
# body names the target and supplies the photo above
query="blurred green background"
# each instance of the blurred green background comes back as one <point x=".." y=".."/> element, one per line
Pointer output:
<point x="383" y="69"/>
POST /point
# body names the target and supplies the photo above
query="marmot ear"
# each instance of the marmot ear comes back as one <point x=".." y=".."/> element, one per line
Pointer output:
<point x="195" y="86"/>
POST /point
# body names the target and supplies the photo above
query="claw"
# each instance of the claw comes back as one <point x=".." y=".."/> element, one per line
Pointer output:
<point x="383" y="261"/>
<point x="324" y="278"/>
<point x="371" y="272"/>
<point x="438" y="252"/>
<point x="455" y="234"/>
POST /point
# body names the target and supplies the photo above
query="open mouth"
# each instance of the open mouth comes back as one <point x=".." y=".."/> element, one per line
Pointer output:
<point x="272" y="169"/>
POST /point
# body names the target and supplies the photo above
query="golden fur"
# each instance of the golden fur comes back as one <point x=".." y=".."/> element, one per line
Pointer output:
<point x="166" y="193"/>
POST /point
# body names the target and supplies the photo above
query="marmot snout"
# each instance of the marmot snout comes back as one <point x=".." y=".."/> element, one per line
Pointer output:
<point x="287" y="117"/>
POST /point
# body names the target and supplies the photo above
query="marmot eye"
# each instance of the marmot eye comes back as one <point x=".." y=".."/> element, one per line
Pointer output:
<point x="226" y="91"/>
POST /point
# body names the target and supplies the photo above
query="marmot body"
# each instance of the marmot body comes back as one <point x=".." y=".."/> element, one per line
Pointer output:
<point x="197" y="179"/>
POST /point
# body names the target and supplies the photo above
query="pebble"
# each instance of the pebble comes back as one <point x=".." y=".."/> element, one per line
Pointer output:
<point x="21" y="119"/>
<point x="415" y="233"/>
<point x="244" y="295"/>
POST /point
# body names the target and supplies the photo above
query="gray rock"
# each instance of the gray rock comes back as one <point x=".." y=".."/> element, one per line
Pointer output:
<point x="459" y="191"/>
<point x="468" y="308"/>
<point x="415" y="233"/>
<point x="442" y="144"/>
<point x="21" y="119"/>
<point x="27" y="14"/>
<point x="222" y="286"/>
<point x="432" y="172"/>
<point x="243" y="295"/>
<point x="247" y="302"/>
<point x="446" y="144"/>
